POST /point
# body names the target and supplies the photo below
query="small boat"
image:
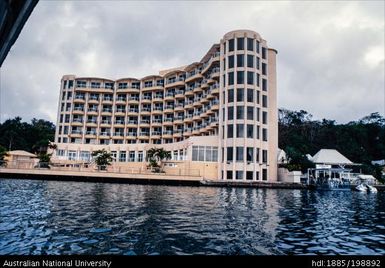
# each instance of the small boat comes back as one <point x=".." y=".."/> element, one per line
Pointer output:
<point x="360" y="188"/>
<point x="371" y="189"/>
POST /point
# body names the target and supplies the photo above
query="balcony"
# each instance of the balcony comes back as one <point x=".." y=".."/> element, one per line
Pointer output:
<point x="188" y="118"/>
<point x="131" y="135"/>
<point x="119" y="122"/>
<point x="120" y="100"/>
<point x="157" y="98"/>
<point x="169" y="109"/>
<point x="133" y="111"/>
<point x="92" y="122"/>
<point x="167" y="134"/>
<point x="146" y="99"/>
<point x="155" y="134"/>
<point x="157" y="122"/>
<point x="78" y="110"/>
<point x="104" y="135"/>
<point x="168" y="121"/>
<point x="178" y="120"/>
<point x="105" y="122"/>
<point x="132" y="123"/>
<point x="144" y="123"/>
<point x="189" y="91"/>
<point x="144" y="135"/>
<point x="107" y="99"/>
<point x="188" y="104"/>
<point x="118" y="135"/>
<point x="133" y="100"/>
<point x="175" y="82"/>
<point x="169" y="96"/>
<point x="179" y="94"/>
<point x="157" y="110"/>
<point x="179" y="107"/>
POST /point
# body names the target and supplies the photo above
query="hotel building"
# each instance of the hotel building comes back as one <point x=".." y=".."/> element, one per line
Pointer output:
<point x="217" y="116"/>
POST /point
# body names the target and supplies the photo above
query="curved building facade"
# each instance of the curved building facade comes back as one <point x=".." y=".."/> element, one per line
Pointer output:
<point x="217" y="116"/>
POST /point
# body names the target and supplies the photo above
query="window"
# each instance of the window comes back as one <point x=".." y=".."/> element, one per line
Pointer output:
<point x="264" y="134"/>
<point x="240" y="94"/>
<point x="230" y="131"/>
<point x="250" y="61"/>
<point x="230" y="96"/>
<point x="264" y="156"/>
<point x="240" y="112"/>
<point x="72" y="155"/>
<point x="258" y="97"/>
<point x="250" y="131"/>
<point x="231" y="61"/>
<point x="257" y="46"/>
<point x="264" y="174"/>
<point x="249" y="175"/>
<point x="258" y="130"/>
<point x="140" y="156"/>
<point x="263" y="53"/>
<point x="239" y="175"/>
<point x="201" y="153"/>
<point x="231" y="45"/>
<point x="250" y="154"/>
<point x="240" y="61"/>
<point x="230" y="113"/>
<point x="175" y="155"/>
<point x="229" y="153"/>
<point x="230" y="78"/>
<point x="70" y="83"/>
<point x="131" y="156"/>
<point x="250" y="78"/>
<point x="223" y="97"/>
<point x="257" y="78"/>
<point x="264" y="101"/>
<point x="240" y="43"/>
<point x="195" y="153"/>
<point x="229" y="175"/>
<point x="264" y="84"/>
<point x="250" y="113"/>
<point x="240" y="131"/>
<point x="60" y="152"/>
<point x="257" y="154"/>
<point x="240" y="77"/>
<point x="250" y="95"/>
<point x="264" y="117"/>
<point x="223" y="114"/>
<point x="264" y="72"/>
<point x="122" y="156"/>
<point x="250" y="44"/>
<point x="257" y="175"/>
<point x="85" y="155"/>
<point x="239" y="154"/>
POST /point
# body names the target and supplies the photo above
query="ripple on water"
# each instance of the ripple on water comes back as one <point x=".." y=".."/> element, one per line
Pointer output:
<point x="40" y="217"/>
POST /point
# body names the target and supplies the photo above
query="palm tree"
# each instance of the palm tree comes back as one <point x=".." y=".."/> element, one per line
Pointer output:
<point x="155" y="157"/>
<point x="3" y="154"/>
<point x="102" y="158"/>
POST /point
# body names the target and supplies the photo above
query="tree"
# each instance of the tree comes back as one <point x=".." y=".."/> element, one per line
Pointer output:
<point x="155" y="157"/>
<point x="102" y="158"/>
<point x="44" y="160"/>
<point x="3" y="154"/>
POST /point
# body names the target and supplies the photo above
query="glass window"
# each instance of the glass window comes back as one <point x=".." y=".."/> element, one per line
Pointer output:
<point x="240" y="94"/>
<point x="250" y="44"/>
<point x="249" y="175"/>
<point x="70" y="83"/>
<point x="230" y="113"/>
<point x="230" y="131"/>
<point x="264" y="84"/>
<point x="239" y="154"/>
<point x="263" y="53"/>
<point x="231" y="45"/>
<point x="239" y="175"/>
<point x="230" y="78"/>
<point x="223" y="97"/>
<point x="223" y="114"/>
<point x="257" y="154"/>
<point x="250" y="78"/>
<point x="264" y="117"/>
<point x="209" y="154"/>
<point x="258" y="130"/>
<point x="250" y="113"/>
<point x="240" y="131"/>
<point x="264" y="156"/>
<point x="140" y="156"/>
<point x="257" y="46"/>
<point x="257" y="78"/>
<point x="131" y="156"/>
<point x="230" y="96"/>
<point x="195" y="153"/>
<point x="250" y="61"/>
<point x="264" y="174"/>
<point x="240" y="43"/>
<point x="60" y="152"/>
<point x="122" y="156"/>
<point x="250" y="95"/>
<point x="250" y="154"/>
<point x="264" y="134"/>
<point x="250" y="131"/>
<point x="231" y="61"/>
<point x="229" y="153"/>
<point x="85" y="155"/>
<point x="215" y="154"/>
<point x="201" y="153"/>
<point x="258" y="97"/>
<point x="264" y="101"/>
<point x="229" y="175"/>
<point x="240" y="60"/>
<point x="264" y="68"/>
<point x="240" y="112"/>
<point x="72" y="155"/>
<point x="240" y="77"/>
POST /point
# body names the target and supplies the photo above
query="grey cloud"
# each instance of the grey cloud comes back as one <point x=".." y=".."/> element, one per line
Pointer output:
<point x="321" y="61"/>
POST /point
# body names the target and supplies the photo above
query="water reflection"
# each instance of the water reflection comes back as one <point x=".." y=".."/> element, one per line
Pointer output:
<point x="39" y="217"/>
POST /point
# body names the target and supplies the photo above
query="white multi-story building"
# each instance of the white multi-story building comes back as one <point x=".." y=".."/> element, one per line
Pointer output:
<point x="217" y="116"/>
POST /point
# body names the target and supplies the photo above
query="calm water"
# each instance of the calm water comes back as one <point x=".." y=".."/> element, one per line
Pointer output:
<point x="40" y="217"/>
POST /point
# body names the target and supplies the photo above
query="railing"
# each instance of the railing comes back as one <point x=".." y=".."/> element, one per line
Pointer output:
<point x="84" y="166"/>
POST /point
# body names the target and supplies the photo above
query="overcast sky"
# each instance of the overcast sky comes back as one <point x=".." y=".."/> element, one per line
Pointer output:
<point x="330" y="54"/>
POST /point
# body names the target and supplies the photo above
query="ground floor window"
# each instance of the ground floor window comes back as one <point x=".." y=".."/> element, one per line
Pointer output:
<point x="239" y="175"/>
<point x="229" y="175"/>
<point x="249" y="175"/>
<point x="72" y="155"/>
<point x="205" y="153"/>
<point x="264" y="174"/>
<point x="140" y="156"/>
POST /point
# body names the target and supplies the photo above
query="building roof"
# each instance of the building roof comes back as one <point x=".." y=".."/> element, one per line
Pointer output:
<point x="331" y="157"/>
<point x="21" y="153"/>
